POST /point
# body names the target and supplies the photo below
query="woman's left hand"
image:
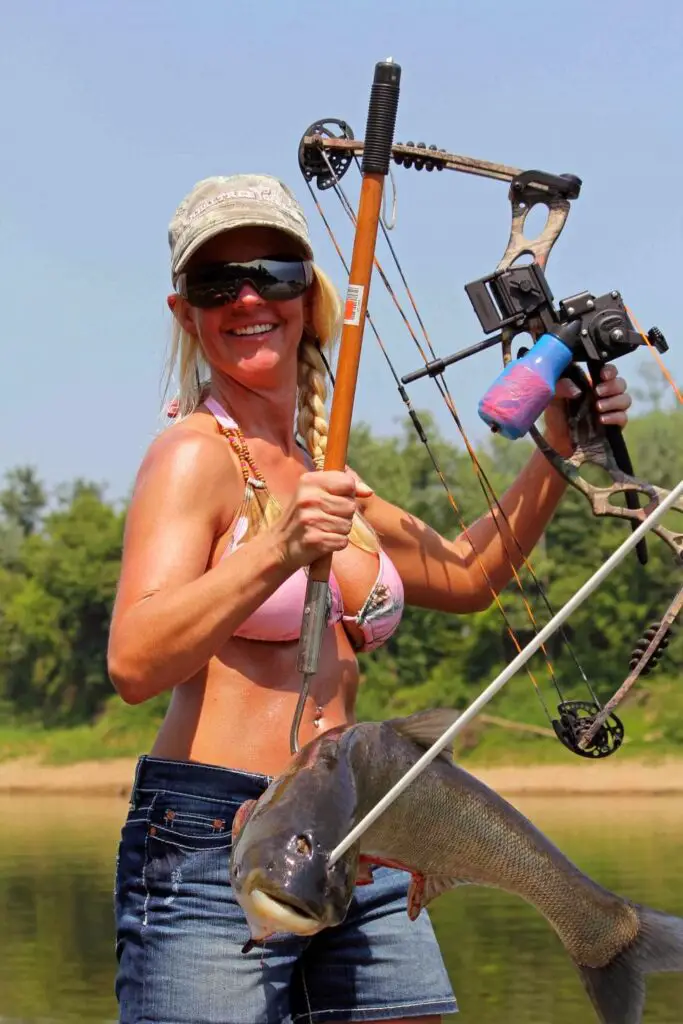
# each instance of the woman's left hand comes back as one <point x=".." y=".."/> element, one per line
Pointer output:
<point x="613" y="403"/>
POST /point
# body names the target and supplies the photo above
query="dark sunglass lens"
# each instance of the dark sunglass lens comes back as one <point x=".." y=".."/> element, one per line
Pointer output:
<point x="274" y="280"/>
<point x="209" y="294"/>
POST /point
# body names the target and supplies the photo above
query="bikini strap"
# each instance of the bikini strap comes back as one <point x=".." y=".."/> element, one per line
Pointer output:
<point x="230" y="429"/>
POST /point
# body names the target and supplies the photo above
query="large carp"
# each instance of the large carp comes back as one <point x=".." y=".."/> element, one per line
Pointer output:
<point x="446" y="828"/>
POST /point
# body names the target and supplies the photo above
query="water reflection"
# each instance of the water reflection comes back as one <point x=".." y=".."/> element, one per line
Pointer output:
<point x="56" y="940"/>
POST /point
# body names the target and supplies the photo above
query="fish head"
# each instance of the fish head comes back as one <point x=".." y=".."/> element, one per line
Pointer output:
<point x="279" y="866"/>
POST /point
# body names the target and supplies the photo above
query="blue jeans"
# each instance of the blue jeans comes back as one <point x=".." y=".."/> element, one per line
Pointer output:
<point x="180" y="929"/>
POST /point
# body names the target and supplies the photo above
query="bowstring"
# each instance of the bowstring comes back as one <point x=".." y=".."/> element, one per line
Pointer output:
<point x="485" y="484"/>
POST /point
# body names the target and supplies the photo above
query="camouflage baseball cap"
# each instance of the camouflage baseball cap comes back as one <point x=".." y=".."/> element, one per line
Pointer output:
<point x="223" y="203"/>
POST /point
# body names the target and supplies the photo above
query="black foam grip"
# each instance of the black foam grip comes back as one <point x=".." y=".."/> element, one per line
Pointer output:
<point x="379" y="130"/>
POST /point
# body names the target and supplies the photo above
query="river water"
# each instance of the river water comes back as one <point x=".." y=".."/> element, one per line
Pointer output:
<point x="56" y="938"/>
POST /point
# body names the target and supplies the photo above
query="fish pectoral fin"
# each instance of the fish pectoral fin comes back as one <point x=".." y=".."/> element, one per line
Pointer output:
<point x="364" y="872"/>
<point x="242" y="815"/>
<point x="368" y="863"/>
<point x="423" y="889"/>
<point x="426" y="727"/>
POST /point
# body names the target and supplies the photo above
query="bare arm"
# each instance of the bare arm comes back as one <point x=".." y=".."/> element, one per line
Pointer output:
<point x="446" y="575"/>
<point x="171" y="615"/>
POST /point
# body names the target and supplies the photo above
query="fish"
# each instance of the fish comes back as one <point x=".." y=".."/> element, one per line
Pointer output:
<point x="447" y="828"/>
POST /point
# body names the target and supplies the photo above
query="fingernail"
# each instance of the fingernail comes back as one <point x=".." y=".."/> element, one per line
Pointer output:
<point x="601" y="389"/>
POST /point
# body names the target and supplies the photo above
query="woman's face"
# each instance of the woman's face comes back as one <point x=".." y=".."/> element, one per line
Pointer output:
<point x="252" y="340"/>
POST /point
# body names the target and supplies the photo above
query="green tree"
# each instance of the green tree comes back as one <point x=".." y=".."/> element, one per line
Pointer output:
<point x="56" y="608"/>
<point x="22" y="500"/>
<point x="59" y="566"/>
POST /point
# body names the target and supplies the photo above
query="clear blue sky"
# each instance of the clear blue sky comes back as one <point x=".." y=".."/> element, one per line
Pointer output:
<point x="112" y="110"/>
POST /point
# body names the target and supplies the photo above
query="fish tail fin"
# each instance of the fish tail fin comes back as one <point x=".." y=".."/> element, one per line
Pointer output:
<point x="617" y="991"/>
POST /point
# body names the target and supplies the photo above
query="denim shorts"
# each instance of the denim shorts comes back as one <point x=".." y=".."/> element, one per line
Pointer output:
<point x="180" y="930"/>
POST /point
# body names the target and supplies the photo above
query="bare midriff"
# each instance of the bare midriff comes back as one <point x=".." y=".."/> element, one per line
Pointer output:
<point x="238" y="712"/>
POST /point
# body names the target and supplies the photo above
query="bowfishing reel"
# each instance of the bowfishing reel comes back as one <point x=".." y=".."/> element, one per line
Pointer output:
<point x="584" y="328"/>
<point x="576" y="718"/>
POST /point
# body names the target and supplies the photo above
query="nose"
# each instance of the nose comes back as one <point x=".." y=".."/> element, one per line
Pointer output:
<point x="248" y="297"/>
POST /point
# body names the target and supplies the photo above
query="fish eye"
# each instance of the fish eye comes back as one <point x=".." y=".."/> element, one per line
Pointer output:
<point x="302" y="845"/>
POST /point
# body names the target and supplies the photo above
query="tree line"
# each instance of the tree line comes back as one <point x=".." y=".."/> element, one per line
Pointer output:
<point x="60" y="557"/>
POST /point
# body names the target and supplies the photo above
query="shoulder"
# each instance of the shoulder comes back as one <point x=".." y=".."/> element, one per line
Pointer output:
<point x="190" y="463"/>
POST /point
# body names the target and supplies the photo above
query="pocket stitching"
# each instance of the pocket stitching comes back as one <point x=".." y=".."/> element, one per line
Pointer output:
<point x="172" y="838"/>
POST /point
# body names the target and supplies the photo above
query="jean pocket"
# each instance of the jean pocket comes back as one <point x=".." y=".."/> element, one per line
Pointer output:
<point x="191" y="823"/>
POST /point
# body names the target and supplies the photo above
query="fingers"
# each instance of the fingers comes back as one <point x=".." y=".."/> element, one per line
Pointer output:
<point x="362" y="489"/>
<point x="566" y="388"/>
<point x="614" y="410"/>
<point x="610" y="383"/>
<point x="613" y="401"/>
<point x="335" y="505"/>
<point x="332" y="481"/>
<point x="343" y="484"/>
<point x="320" y="517"/>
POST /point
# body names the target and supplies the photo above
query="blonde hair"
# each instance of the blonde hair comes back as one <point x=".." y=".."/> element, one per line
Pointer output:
<point x="187" y="366"/>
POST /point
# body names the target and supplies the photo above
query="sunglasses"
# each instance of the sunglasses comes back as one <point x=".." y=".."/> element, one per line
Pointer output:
<point x="274" y="279"/>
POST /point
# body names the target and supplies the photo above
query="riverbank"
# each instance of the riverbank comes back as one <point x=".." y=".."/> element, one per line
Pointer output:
<point x="616" y="777"/>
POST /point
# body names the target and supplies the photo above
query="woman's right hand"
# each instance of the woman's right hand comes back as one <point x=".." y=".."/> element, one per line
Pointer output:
<point x="318" y="520"/>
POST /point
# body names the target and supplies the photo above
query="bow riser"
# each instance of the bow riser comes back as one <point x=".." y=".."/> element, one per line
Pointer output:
<point x="601" y="499"/>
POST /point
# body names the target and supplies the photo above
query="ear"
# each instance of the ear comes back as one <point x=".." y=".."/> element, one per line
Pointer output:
<point x="183" y="312"/>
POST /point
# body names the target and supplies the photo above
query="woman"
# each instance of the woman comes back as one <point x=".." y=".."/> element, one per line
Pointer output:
<point x="227" y="513"/>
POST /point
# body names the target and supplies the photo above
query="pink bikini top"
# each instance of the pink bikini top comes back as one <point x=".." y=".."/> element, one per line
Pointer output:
<point x="279" y="617"/>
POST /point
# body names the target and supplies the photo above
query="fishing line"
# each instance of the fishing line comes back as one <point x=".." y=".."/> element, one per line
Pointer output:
<point x="508" y="672"/>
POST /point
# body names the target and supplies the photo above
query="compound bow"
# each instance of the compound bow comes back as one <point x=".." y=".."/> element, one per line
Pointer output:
<point x="326" y="152"/>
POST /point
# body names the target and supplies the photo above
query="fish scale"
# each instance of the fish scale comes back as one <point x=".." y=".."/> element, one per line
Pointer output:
<point x="448" y="824"/>
<point x="445" y="828"/>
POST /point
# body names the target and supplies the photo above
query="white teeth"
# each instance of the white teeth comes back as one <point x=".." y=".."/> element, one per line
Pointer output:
<point x="254" y="329"/>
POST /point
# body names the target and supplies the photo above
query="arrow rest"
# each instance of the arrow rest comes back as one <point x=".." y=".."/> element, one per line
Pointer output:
<point x="576" y="718"/>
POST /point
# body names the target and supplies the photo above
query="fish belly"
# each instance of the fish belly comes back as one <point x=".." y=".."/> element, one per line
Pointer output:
<point x="448" y="824"/>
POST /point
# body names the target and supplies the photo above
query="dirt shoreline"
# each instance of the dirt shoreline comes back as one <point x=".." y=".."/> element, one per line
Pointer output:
<point x="613" y="777"/>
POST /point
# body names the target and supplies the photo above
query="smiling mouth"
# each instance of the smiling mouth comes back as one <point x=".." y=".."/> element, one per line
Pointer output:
<point x="252" y="330"/>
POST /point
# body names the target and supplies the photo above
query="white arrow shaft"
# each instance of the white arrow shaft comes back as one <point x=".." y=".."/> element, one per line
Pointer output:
<point x="499" y="682"/>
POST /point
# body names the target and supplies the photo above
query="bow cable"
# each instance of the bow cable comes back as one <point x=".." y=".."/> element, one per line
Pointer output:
<point x="485" y="484"/>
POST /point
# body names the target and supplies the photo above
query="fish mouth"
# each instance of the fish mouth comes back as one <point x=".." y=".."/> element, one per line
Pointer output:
<point x="281" y="913"/>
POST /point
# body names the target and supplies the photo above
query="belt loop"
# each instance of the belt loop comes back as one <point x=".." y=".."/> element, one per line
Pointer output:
<point x="135" y="796"/>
